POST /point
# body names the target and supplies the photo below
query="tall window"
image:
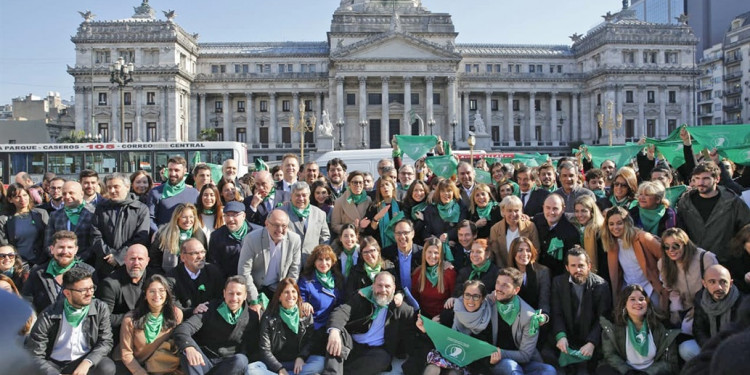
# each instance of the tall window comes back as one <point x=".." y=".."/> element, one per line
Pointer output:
<point x="673" y="97"/>
<point x="651" y="127"/>
<point x="537" y="105"/>
<point x="219" y="106"/>
<point x="516" y="105"/>
<point x="494" y="105"/>
<point x="436" y="98"/>
<point x="102" y="98"/>
<point x="472" y="104"/>
<point x="351" y="99"/>
<point x="286" y="106"/>
<point x="264" y="105"/>
<point x="308" y="106"/>
<point x="241" y="135"/>
<point x="126" y="98"/>
<point x="628" y="96"/>
<point x="150" y="98"/>
<point x="651" y="97"/>
<point x="240" y="106"/>
<point x="104" y="131"/>
<point x="128" y="137"/>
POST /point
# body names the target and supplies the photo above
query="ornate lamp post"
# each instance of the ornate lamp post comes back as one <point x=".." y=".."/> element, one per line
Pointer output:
<point x="611" y="123"/>
<point x="453" y="126"/>
<point x="472" y="141"/>
<point x="121" y="74"/>
<point x="302" y="127"/>
<point x="363" y="124"/>
<point x="431" y="124"/>
<point x="340" y="125"/>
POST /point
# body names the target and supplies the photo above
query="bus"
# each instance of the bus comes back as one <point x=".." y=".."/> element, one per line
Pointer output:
<point x="68" y="159"/>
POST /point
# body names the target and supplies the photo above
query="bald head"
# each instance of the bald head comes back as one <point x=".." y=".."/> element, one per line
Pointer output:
<point x="554" y="208"/>
<point x="72" y="194"/>
<point x="718" y="282"/>
<point x="136" y="260"/>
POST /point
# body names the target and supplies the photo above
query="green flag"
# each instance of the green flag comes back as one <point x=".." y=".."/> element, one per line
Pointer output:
<point x="721" y="136"/>
<point x="457" y="347"/>
<point x="443" y="166"/>
<point x="484" y="177"/>
<point x="621" y="155"/>
<point x="416" y="146"/>
<point x="491" y="161"/>
<point x="739" y="154"/>
<point x="530" y="160"/>
<point x="216" y="172"/>
<point x="260" y="165"/>
<point x="673" y="194"/>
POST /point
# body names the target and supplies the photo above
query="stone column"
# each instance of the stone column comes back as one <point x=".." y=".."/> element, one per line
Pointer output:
<point x="487" y="111"/>
<point x="192" y="125"/>
<point x="139" y="130"/>
<point x="553" y="136"/>
<point x="203" y="100"/>
<point x="686" y="104"/>
<point x="465" y="118"/>
<point x="452" y="116"/>
<point x="640" y="123"/>
<point x="114" y="104"/>
<point x="340" y="99"/>
<point x="661" y="128"/>
<point x="250" y="109"/>
<point x="362" y="99"/>
<point x="227" y="117"/>
<point x="82" y="115"/>
<point x="619" y="103"/>
<point x="319" y="106"/>
<point x="165" y="133"/>
<point x="295" y="115"/>
<point x="384" y="114"/>
<point x="406" y="126"/>
<point x="532" y="120"/>
<point x="273" y="130"/>
<point x="429" y="105"/>
<point x="586" y="113"/>
<point x="509" y="120"/>
<point x="574" y="118"/>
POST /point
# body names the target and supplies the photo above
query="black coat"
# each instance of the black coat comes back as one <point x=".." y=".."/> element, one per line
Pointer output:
<point x="433" y="225"/>
<point x="358" y="278"/>
<point x="535" y="202"/>
<point x="565" y="231"/>
<point x="42" y="289"/>
<point x="391" y="253"/>
<point x="484" y="232"/>
<point x="58" y="221"/>
<point x="117" y="226"/>
<point x="120" y="294"/>
<point x="224" y="250"/>
<point x="187" y="292"/>
<point x="279" y="344"/>
<point x="596" y="302"/>
<point x="488" y="278"/>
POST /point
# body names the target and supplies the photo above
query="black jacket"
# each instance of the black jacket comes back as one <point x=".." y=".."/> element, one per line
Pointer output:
<point x="58" y="221"/>
<point x="701" y="320"/>
<point x="117" y="226"/>
<point x="120" y="294"/>
<point x="484" y="232"/>
<point x="217" y="338"/>
<point x="279" y="344"/>
<point x="565" y="231"/>
<point x="42" y="289"/>
<point x="433" y="224"/>
<point x="188" y="293"/>
<point x="391" y="253"/>
<point x="224" y="250"/>
<point x="535" y="202"/>
<point x="596" y="302"/>
<point x="488" y="278"/>
<point x="97" y="330"/>
<point x="358" y="278"/>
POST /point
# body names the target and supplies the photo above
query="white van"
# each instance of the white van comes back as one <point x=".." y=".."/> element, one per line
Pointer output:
<point x="365" y="160"/>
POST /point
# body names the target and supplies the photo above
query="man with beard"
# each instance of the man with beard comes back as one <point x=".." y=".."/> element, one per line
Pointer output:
<point x="579" y="298"/>
<point x="266" y="197"/>
<point x="716" y="305"/>
<point x="512" y="329"/>
<point x="571" y="189"/>
<point x="710" y="214"/>
<point x="226" y="242"/>
<point x="220" y="339"/>
<point x="45" y="280"/>
<point x="89" y="180"/>
<point x="55" y="195"/>
<point x="229" y="173"/>
<point x="122" y="288"/>
<point x="194" y="281"/>
<point x="547" y="177"/>
<point x="363" y="334"/>
<point x="556" y="234"/>
<point x="163" y="199"/>
<point x="118" y="223"/>
<point x="466" y="177"/>
<point x="406" y="176"/>
<point x="77" y="216"/>
<point x="74" y="336"/>
<point x="308" y="221"/>
<point x="336" y="177"/>
<point x="609" y="168"/>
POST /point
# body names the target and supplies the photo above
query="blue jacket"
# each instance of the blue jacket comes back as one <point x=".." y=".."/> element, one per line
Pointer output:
<point x="322" y="300"/>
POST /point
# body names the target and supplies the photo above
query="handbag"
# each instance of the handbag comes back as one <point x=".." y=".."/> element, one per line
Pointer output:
<point x="164" y="360"/>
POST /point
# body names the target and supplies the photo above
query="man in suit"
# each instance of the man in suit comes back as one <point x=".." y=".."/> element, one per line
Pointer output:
<point x="268" y="256"/>
<point x="308" y="221"/>
<point x="290" y="167"/>
<point x="571" y="189"/>
<point x="194" y="281"/>
<point x="531" y="197"/>
<point x="265" y="198"/>
<point x="405" y="254"/>
<point x="466" y="178"/>
<point x="89" y="180"/>
<point x="163" y="199"/>
<point x="556" y="234"/>
<point x="77" y="216"/>
<point x="579" y="298"/>
<point x="55" y="196"/>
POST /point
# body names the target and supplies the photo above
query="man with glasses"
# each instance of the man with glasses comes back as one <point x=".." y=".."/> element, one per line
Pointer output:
<point x="194" y="281"/>
<point x="55" y="191"/>
<point x="74" y="336"/>
<point x="46" y="279"/>
<point x="405" y="254"/>
<point x="77" y="216"/>
<point x="268" y="256"/>
<point x="336" y="169"/>
<point x="266" y="197"/>
<point x="226" y="242"/>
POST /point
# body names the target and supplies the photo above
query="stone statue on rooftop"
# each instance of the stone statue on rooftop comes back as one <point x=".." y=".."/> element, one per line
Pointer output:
<point x="87" y="15"/>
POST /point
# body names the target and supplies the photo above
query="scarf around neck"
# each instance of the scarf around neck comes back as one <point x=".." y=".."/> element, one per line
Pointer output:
<point x="372" y="271"/>
<point x="349" y="258"/>
<point x="476" y="272"/>
<point x="227" y="314"/>
<point x="290" y="317"/>
<point x="303" y="213"/>
<point x="240" y="233"/>
<point x="431" y="273"/>
<point x="449" y="212"/>
<point x="172" y="190"/>
<point x="419" y="207"/>
<point x="74" y="214"/>
<point x="55" y="269"/>
<point x="152" y="327"/>
<point x="370" y="296"/>
<point x="73" y="315"/>
<point x="639" y="339"/>
<point x="471" y="322"/>
<point x="509" y="311"/>
<point x="270" y="194"/>
<point x="486" y="212"/>
<point x="722" y="309"/>
<point x="650" y="218"/>
<point x="356" y="198"/>
<point x="325" y="279"/>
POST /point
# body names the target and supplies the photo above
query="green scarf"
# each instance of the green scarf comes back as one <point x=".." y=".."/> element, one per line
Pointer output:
<point x="639" y="339"/>
<point x="476" y="272"/>
<point x="74" y="214"/>
<point x="152" y="327"/>
<point x="536" y="320"/>
<point x="509" y="311"/>
<point x="185" y="235"/>
<point x="349" y="259"/>
<point x="356" y="198"/>
<point x="484" y="213"/>
<point x="419" y="207"/>
<point x="386" y="224"/>
<point x="270" y="195"/>
<point x="600" y="193"/>
<point x="447" y="252"/>
<point x="367" y="293"/>
<point x="449" y="212"/>
<point x="431" y="274"/>
<point x="239" y="234"/>
<point x="208" y="211"/>
<point x="555" y="248"/>
<point x="626" y="202"/>
<point x="650" y="218"/>
<point x="228" y="316"/>
<point x="290" y="317"/>
<point x="74" y="316"/>
<point x="302" y="214"/>
<point x="372" y="271"/>
<point x="10" y="272"/>
<point x="172" y="190"/>
<point x="326" y="279"/>
<point x="55" y="269"/>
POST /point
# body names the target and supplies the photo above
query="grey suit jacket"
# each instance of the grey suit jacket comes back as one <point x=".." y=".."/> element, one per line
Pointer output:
<point x="255" y="255"/>
<point x="317" y="231"/>
<point x="524" y="341"/>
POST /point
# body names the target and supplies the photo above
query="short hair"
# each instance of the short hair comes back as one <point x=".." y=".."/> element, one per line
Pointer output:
<point x="464" y="164"/>
<point x="49" y="176"/>
<point x="575" y="252"/>
<point x="75" y="275"/>
<point x="309" y="163"/>
<point x="525" y="169"/>
<point x="141" y="172"/>
<point x="386" y="274"/>
<point x="406" y="221"/>
<point x="567" y="165"/>
<point x="546" y="165"/>
<point x="64" y="235"/>
<point x="481" y="242"/>
<point x="289" y="156"/>
<point x="239" y="279"/>
<point x="177" y="160"/>
<point x="119" y="176"/>
<point x="510" y="200"/>
<point x="199" y="167"/>
<point x="300" y="185"/>
<point x="57" y="179"/>
<point x="351" y="176"/>
<point x="336" y="162"/>
<point x="707" y="167"/>
<point x="595" y="173"/>
<point x="87" y="173"/>
<point x="388" y="169"/>
<point x="654" y="188"/>
<point x="515" y="275"/>
<point x="468" y="223"/>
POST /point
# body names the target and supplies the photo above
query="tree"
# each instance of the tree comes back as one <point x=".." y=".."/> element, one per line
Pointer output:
<point x="208" y="134"/>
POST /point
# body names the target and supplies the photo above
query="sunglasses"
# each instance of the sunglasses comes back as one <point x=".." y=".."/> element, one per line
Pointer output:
<point x="674" y="247"/>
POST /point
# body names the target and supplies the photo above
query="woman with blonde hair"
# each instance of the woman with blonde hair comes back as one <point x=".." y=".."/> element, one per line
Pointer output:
<point x="511" y="227"/>
<point x="588" y="219"/>
<point x="484" y="211"/>
<point x="432" y="283"/>
<point x="653" y="213"/>
<point x="184" y="224"/>
<point x="622" y="194"/>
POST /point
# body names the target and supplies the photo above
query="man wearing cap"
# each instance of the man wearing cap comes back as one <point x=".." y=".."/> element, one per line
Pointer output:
<point x="226" y="242"/>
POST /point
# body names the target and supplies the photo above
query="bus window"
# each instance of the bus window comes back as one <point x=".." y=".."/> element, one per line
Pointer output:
<point x="218" y="157"/>
<point x="101" y="162"/>
<point x="160" y="162"/>
<point x="133" y="161"/>
<point x="32" y="163"/>
<point x="63" y="164"/>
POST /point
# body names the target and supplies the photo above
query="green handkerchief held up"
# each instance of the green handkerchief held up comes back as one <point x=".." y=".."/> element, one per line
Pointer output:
<point x="455" y="346"/>
<point x="555" y="248"/>
<point x="484" y="177"/>
<point x="442" y="166"/>
<point x="416" y="146"/>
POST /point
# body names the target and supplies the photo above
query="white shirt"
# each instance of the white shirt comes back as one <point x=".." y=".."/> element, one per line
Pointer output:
<point x="274" y="263"/>
<point x="193" y="276"/>
<point x="511" y="235"/>
<point x="71" y="343"/>
<point x="208" y="225"/>
<point x="632" y="271"/>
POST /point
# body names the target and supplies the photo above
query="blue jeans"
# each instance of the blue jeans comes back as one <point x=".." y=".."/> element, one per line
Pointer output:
<point x="511" y="367"/>
<point x="313" y="365"/>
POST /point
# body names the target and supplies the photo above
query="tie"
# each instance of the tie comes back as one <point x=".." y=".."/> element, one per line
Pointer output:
<point x="523" y="198"/>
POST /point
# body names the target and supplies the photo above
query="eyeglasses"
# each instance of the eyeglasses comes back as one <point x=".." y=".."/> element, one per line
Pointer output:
<point x="10" y="256"/>
<point x="232" y="214"/>
<point x="674" y="247"/>
<point x="402" y="233"/>
<point x="193" y="253"/>
<point x="356" y="183"/>
<point x="90" y="289"/>
<point x="279" y="226"/>
<point x="619" y="184"/>
<point x="473" y="297"/>
<point x="367" y="252"/>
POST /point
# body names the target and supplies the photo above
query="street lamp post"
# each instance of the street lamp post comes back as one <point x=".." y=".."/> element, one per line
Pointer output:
<point x="431" y="124"/>
<point x="302" y="127"/>
<point x="453" y="126"/>
<point x="121" y="74"/>
<point x="340" y="125"/>
<point x="610" y="123"/>
<point x="472" y="141"/>
<point x="363" y="124"/>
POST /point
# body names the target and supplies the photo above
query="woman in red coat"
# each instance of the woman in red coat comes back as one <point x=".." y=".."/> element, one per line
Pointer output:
<point x="432" y="283"/>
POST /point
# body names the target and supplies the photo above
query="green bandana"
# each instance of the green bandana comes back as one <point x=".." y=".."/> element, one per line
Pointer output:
<point x="270" y="195"/>
<point x="674" y="193"/>
<point x="419" y="207"/>
<point x="650" y="218"/>
<point x="536" y="320"/>
<point x="600" y="193"/>
<point x="208" y="211"/>
<point x="449" y="212"/>
<point x="55" y="269"/>
<point x="509" y="311"/>
<point x="573" y="356"/>
<point x="152" y="327"/>
<point x="239" y="234"/>
<point x="228" y="316"/>
<point x="326" y="279"/>
<point x="74" y="214"/>
<point x="74" y="316"/>
<point x="185" y="235"/>
<point x="367" y="293"/>
<point x="476" y="272"/>
<point x="356" y="198"/>
<point x="432" y="274"/>
<point x="372" y="271"/>
<point x="290" y="317"/>
<point x="484" y="213"/>
<point x="625" y="202"/>
<point x="302" y="214"/>
<point x="416" y="146"/>
<point x="10" y="272"/>
<point x="447" y="252"/>
<point x="170" y="190"/>
<point x="555" y="248"/>
<point x="386" y="224"/>
<point x="639" y="339"/>
<point x="349" y="259"/>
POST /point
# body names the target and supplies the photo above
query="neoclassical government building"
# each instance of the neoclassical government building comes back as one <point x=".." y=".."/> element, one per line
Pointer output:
<point x="382" y="65"/>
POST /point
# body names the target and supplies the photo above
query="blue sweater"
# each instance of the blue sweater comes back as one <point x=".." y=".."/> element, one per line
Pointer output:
<point x="161" y="209"/>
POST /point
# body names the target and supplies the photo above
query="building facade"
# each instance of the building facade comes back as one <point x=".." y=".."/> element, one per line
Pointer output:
<point x="382" y="65"/>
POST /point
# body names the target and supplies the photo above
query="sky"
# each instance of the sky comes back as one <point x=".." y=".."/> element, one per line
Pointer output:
<point x="35" y="46"/>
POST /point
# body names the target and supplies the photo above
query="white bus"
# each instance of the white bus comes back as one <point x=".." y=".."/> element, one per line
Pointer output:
<point x="68" y="159"/>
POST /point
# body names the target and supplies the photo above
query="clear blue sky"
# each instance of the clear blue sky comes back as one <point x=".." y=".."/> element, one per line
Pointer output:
<point x="35" y="45"/>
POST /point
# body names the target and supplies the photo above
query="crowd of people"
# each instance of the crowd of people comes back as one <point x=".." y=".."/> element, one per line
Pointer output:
<point x="563" y="268"/>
